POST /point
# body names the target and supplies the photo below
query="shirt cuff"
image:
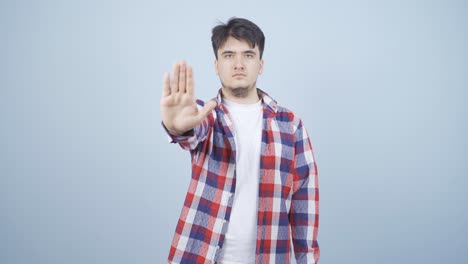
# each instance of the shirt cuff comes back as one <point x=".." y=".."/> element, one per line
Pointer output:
<point x="172" y="138"/>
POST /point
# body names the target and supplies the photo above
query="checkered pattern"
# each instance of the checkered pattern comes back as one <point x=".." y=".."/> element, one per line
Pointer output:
<point x="288" y="204"/>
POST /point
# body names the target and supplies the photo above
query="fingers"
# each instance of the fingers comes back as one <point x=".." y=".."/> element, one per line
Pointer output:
<point x="182" y="73"/>
<point x="182" y="79"/>
<point x="206" y="110"/>
<point x="189" y="88"/>
<point x="166" y="85"/>
<point x="175" y="78"/>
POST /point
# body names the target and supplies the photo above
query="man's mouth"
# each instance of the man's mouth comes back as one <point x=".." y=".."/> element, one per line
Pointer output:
<point x="238" y="75"/>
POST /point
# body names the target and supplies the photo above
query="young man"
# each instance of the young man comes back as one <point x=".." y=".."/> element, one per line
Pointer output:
<point x="254" y="178"/>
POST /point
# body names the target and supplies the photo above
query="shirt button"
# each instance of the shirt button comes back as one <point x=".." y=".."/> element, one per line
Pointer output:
<point x="224" y="221"/>
<point x="230" y="194"/>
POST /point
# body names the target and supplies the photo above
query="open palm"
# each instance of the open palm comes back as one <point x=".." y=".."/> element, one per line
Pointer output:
<point x="178" y="106"/>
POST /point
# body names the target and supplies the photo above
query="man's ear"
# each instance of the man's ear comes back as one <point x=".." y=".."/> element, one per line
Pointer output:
<point x="216" y="66"/>
<point x="261" y="67"/>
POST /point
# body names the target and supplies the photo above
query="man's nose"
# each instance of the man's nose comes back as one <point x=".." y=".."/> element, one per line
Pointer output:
<point x="239" y="64"/>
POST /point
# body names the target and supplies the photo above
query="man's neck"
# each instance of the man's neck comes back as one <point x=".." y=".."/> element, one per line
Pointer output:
<point x="251" y="98"/>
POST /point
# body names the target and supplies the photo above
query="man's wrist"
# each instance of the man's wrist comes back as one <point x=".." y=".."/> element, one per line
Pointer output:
<point x="188" y="133"/>
<point x="177" y="133"/>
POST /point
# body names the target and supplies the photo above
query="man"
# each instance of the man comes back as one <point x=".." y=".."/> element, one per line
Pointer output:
<point x="254" y="177"/>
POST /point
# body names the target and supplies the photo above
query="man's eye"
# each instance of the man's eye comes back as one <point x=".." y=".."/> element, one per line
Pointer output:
<point x="250" y="56"/>
<point x="228" y="56"/>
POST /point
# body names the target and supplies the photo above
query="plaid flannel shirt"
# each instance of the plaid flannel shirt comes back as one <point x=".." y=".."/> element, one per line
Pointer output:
<point x="288" y="202"/>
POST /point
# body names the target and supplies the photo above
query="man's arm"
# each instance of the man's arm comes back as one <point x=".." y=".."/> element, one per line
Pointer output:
<point x="304" y="212"/>
<point x="184" y="122"/>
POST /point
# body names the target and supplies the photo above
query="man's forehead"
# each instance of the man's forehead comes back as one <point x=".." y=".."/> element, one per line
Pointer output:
<point x="237" y="45"/>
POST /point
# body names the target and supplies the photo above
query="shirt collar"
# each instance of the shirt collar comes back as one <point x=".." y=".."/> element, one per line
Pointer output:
<point x="268" y="101"/>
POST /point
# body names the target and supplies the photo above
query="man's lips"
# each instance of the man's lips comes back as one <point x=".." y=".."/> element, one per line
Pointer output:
<point x="237" y="75"/>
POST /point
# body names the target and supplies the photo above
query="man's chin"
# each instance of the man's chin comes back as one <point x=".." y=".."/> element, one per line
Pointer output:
<point x="242" y="91"/>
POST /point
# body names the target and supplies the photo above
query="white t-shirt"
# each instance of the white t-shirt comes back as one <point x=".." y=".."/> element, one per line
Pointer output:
<point x="241" y="236"/>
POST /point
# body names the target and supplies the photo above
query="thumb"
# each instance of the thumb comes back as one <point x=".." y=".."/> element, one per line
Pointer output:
<point x="206" y="110"/>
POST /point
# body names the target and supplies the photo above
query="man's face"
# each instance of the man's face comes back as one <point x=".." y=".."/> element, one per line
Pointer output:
<point x="238" y="66"/>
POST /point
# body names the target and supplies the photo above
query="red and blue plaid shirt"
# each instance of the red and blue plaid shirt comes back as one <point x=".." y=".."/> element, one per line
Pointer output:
<point x="288" y="201"/>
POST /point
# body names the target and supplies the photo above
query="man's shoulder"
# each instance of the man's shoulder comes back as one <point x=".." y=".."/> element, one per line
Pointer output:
<point x="284" y="114"/>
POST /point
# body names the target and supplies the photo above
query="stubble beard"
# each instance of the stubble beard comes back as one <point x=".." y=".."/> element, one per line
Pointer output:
<point x="240" y="92"/>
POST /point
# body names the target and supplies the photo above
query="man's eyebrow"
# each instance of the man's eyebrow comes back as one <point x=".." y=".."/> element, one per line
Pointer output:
<point x="245" y="52"/>
<point x="249" y="52"/>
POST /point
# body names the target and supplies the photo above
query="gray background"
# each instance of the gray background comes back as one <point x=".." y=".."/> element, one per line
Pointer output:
<point x="87" y="174"/>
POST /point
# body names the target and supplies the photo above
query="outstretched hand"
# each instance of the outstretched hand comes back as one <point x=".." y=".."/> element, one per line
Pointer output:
<point x="178" y="106"/>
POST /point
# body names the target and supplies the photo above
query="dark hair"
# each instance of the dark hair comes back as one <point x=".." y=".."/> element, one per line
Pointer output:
<point x="240" y="29"/>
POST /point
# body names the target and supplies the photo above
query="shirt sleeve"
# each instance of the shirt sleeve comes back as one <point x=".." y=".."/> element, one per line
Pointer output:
<point x="304" y="212"/>
<point x="190" y="139"/>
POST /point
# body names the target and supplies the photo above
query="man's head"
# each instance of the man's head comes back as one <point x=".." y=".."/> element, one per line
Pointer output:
<point x="240" y="29"/>
<point x="238" y="47"/>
